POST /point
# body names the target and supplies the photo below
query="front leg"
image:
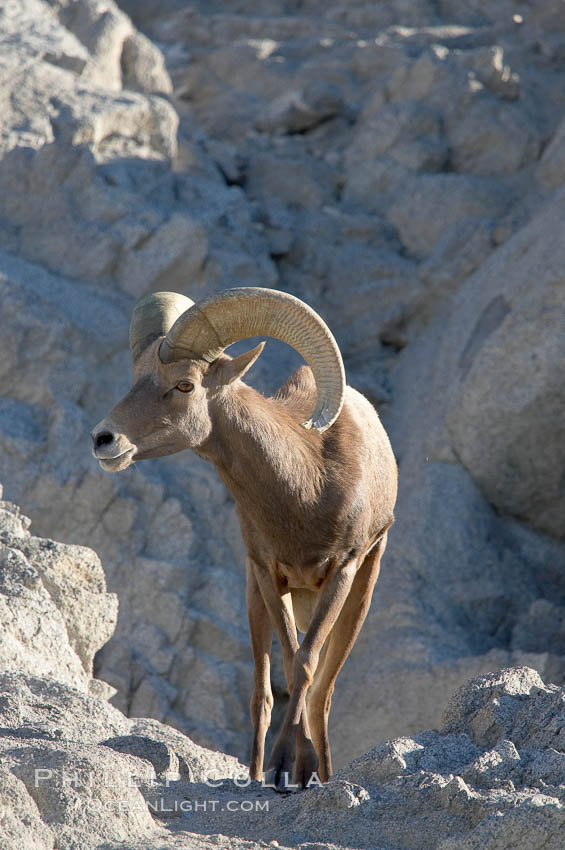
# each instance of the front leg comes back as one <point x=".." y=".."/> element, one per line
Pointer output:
<point x="297" y="743"/>
<point x="261" y="631"/>
<point x="332" y="597"/>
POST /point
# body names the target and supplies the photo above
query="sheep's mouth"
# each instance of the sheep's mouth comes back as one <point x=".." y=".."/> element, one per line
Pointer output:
<point x="117" y="463"/>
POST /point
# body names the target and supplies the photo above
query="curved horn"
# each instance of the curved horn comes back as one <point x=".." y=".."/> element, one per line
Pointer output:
<point x="153" y="317"/>
<point x="204" y="331"/>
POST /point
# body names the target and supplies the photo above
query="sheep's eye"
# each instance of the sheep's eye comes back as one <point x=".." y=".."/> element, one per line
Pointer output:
<point x="185" y="386"/>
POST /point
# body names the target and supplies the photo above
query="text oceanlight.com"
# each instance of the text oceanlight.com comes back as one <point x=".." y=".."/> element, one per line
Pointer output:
<point x="162" y="806"/>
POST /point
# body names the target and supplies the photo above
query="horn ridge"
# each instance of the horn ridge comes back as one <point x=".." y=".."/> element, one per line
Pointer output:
<point x="153" y="316"/>
<point x="207" y="328"/>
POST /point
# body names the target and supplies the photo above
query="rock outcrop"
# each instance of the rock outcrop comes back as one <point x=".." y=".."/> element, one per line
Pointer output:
<point x="400" y="166"/>
<point x="78" y="774"/>
<point x="55" y="612"/>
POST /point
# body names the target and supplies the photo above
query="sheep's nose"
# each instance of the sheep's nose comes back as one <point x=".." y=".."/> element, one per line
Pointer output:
<point x="104" y="438"/>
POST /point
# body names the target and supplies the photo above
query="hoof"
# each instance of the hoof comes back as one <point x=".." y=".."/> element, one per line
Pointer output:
<point x="280" y="780"/>
<point x="306" y="779"/>
<point x="306" y="771"/>
<point x="306" y="764"/>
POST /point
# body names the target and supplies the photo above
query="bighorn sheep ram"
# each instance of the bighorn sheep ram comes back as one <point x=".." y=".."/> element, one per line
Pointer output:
<point x="312" y="474"/>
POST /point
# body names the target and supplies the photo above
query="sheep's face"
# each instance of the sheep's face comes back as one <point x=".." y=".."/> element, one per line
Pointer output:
<point x="166" y="410"/>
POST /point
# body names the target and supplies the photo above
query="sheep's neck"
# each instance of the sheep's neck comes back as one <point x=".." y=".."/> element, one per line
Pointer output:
<point x="261" y="452"/>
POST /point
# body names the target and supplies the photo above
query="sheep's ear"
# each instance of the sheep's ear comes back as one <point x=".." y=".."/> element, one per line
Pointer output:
<point x="236" y="368"/>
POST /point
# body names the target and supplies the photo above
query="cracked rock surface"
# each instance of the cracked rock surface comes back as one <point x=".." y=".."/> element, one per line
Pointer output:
<point x="401" y="167"/>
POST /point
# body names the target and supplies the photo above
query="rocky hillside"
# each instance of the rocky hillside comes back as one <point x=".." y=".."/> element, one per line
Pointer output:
<point x="76" y="773"/>
<point x="401" y="167"/>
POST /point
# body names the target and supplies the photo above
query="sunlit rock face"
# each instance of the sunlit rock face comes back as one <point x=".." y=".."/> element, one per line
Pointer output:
<point x="398" y="166"/>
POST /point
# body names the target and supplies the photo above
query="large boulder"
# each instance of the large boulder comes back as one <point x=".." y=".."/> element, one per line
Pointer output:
<point x="55" y="612"/>
<point x="506" y="345"/>
<point x="65" y="752"/>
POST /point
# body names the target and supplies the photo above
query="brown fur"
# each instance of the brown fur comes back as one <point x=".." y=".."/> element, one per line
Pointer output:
<point x="301" y="496"/>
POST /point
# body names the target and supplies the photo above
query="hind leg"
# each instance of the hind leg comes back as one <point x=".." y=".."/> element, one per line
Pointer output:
<point x="336" y="650"/>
